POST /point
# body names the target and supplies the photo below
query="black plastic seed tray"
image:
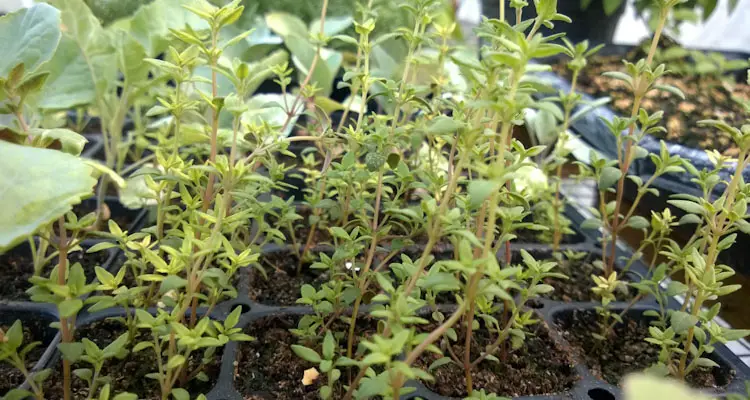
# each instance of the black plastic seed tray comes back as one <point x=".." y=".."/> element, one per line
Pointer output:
<point x="551" y="312"/>
<point x="592" y="130"/>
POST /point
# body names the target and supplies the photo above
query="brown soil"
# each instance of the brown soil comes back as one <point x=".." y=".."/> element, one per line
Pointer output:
<point x="707" y="98"/>
<point x="129" y="374"/>
<point x="625" y="351"/>
<point x="17" y="266"/>
<point x="579" y="283"/>
<point x="539" y="367"/>
<point x="33" y="331"/>
<point x="302" y="230"/>
<point x="282" y="288"/>
<point x="267" y="368"/>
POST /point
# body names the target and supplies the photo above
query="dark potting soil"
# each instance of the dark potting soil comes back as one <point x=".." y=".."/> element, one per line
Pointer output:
<point x="129" y="374"/>
<point x="626" y="350"/>
<point x="268" y="369"/>
<point x="540" y="367"/>
<point x="706" y="98"/>
<point x="17" y="266"/>
<point x="33" y="331"/>
<point x="282" y="288"/>
<point x="579" y="283"/>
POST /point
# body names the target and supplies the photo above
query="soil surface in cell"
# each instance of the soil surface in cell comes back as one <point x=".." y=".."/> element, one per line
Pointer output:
<point x="17" y="266"/>
<point x="268" y="369"/>
<point x="129" y="374"/>
<point x="539" y="367"/>
<point x="33" y="331"/>
<point x="625" y="351"/>
<point x="281" y="284"/>
<point x="706" y="98"/>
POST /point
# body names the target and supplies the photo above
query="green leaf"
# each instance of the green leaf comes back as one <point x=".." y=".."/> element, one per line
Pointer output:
<point x="306" y="353"/>
<point x="39" y="186"/>
<point x="479" y="190"/>
<point x="105" y="392"/>
<point x="14" y="335"/>
<point x="18" y="394"/>
<point x="688" y="206"/>
<point x="682" y="321"/>
<point x="609" y="176"/>
<point x="376" y="358"/>
<point x="69" y="142"/>
<point x="439" y="362"/>
<point x="70" y="307"/>
<point x="93" y="42"/>
<point x="126" y="396"/>
<point x="638" y="222"/>
<point x="116" y="347"/>
<point x="706" y="363"/>
<point x="176" y="361"/>
<point x="100" y="246"/>
<point x="150" y="25"/>
<point x="610" y="6"/>
<point x="328" y="346"/>
<point x="172" y="282"/>
<point x="443" y="124"/>
<point x="71" y="351"/>
<point x="83" y="373"/>
<point x="70" y="82"/>
<point x="333" y="25"/>
<point x="180" y="394"/>
<point x="30" y="37"/>
<point x="671" y="89"/>
<point x="326" y="68"/>
<point x="591" y="223"/>
<point x="272" y="109"/>
<point x="286" y="25"/>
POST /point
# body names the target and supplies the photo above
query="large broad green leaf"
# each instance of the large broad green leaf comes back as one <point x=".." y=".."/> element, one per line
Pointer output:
<point x="151" y="23"/>
<point x="37" y="187"/>
<point x="70" y="83"/>
<point x="256" y="45"/>
<point x="325" y="70"/>
<point x="65" y="140"/>
<point x="286" y="25"/>
<point x="94" y="43"/>
<point x="130" y="54"/>
<point x="68" y="141"/>
<point x="29" y="36"/>
<point x="297" y="39"/>
<point x="272" y="109"/>
<point x="333" y="25"/>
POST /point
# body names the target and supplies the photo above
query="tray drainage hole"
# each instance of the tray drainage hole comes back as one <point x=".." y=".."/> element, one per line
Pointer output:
<point x="244" y="307"/>
<point x="600" y="394"/>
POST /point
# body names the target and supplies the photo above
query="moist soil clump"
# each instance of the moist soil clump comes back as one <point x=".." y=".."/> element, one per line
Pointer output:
<point x="33" y="331"/>
<point x="706" y="98"/>
<point x="268" y="369"/>
<point x="539" y="367"/>
<point x="17" y="266"/>
<point x="625" y="351"/>
<point x="129" y="374"/>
